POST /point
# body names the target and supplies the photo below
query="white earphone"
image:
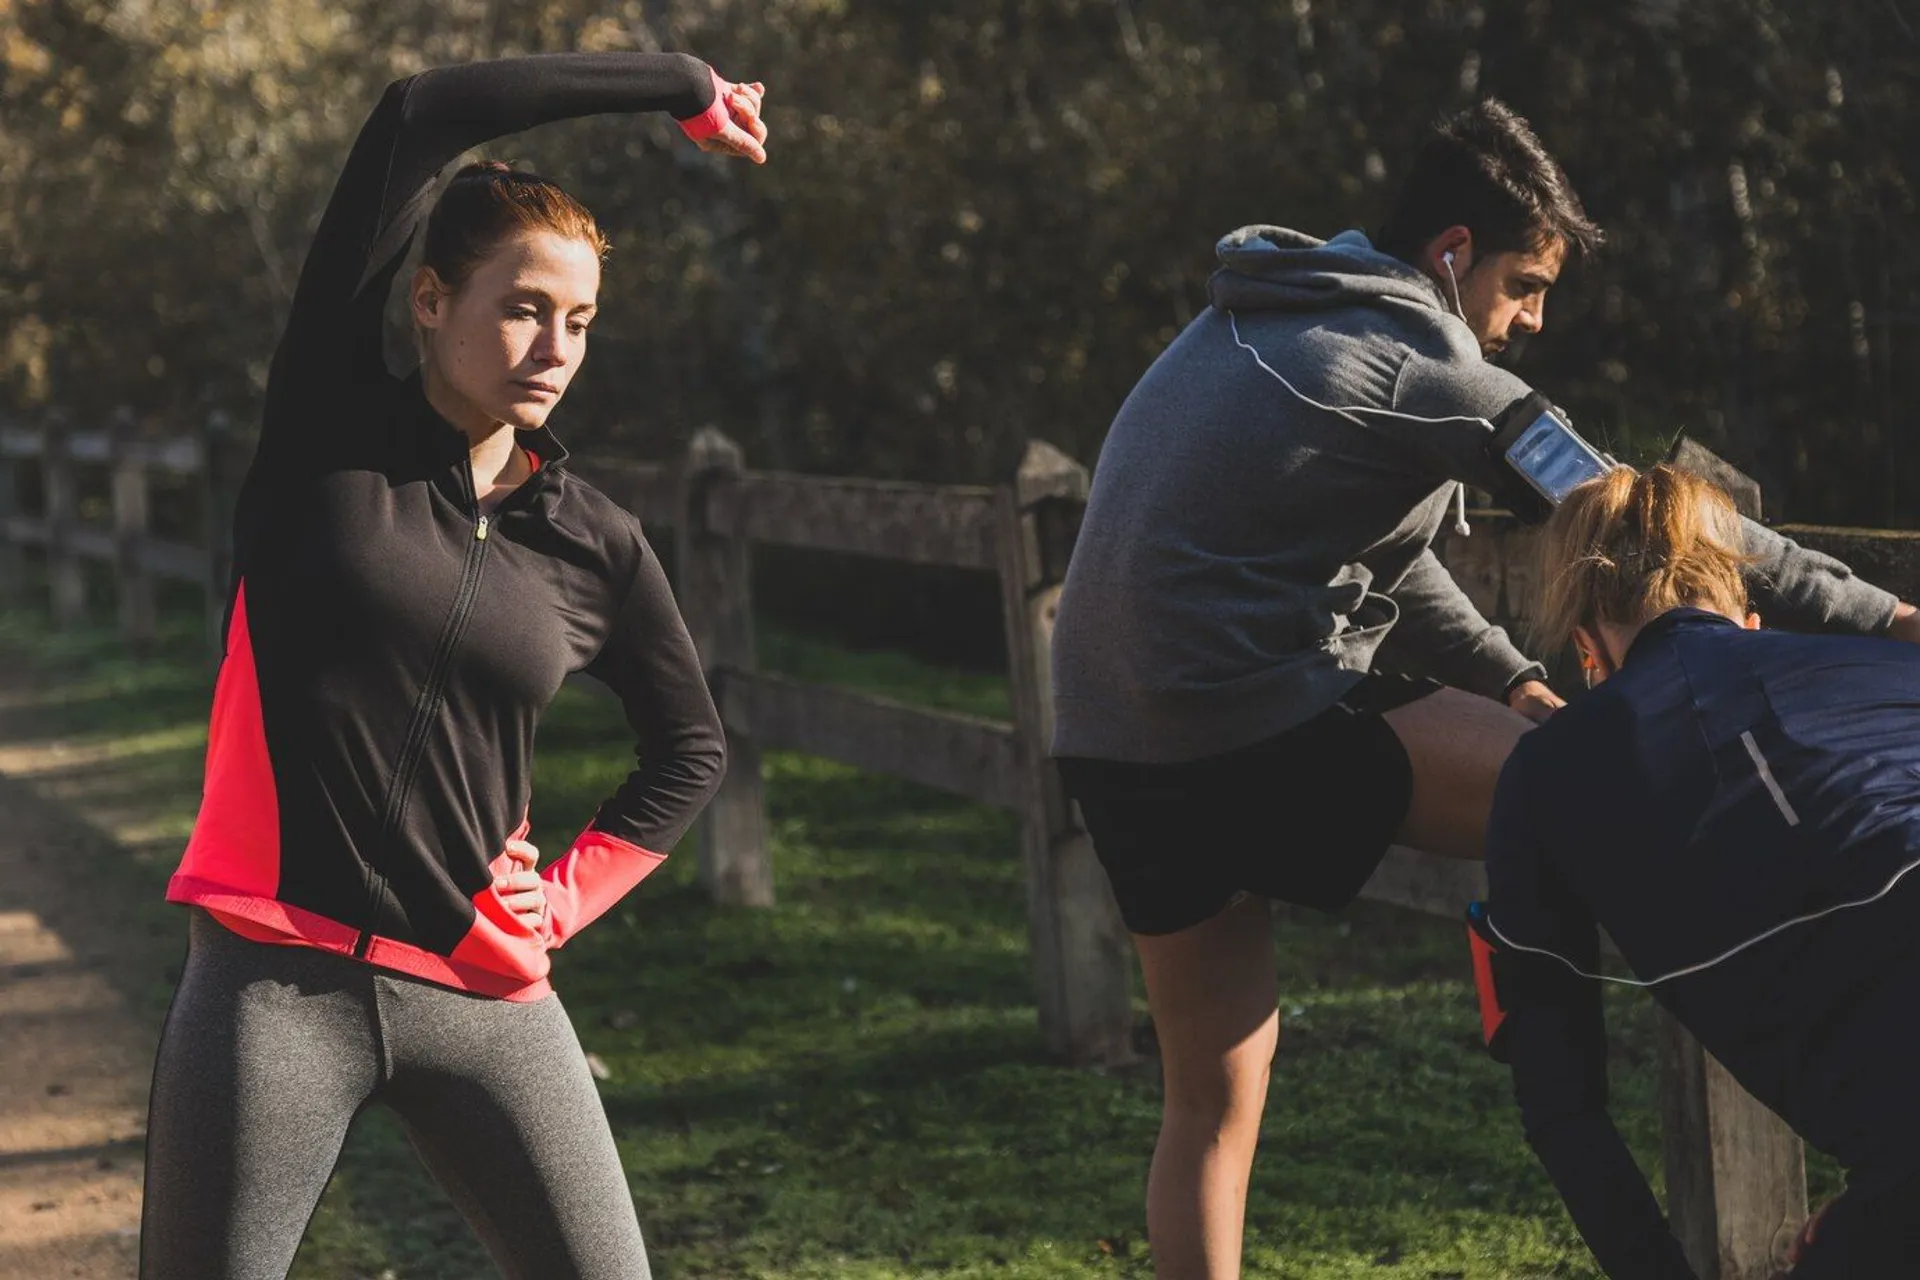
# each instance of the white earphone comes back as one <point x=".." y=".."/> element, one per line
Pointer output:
<point x="1446" y="260"/>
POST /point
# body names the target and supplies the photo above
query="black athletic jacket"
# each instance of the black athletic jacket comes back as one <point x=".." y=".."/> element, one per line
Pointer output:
<point x="1724" y="781"/>
<point x="389" y="650"/>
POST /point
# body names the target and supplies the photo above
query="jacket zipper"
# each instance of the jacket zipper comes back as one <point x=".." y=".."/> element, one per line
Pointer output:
<point x="413" y="747"/>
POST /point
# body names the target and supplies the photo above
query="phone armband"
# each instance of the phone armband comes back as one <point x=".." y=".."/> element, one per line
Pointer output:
<point x="1536" y="448"/>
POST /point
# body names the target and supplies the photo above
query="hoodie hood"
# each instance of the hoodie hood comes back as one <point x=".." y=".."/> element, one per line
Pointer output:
<point x="1274" y="269"/>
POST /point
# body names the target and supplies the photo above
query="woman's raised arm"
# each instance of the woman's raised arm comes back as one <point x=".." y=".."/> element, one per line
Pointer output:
<point x="332" y="342"/>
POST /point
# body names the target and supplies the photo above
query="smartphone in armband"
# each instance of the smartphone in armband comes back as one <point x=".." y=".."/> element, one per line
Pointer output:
<point x="1540" y="447"/>
<point x="1551" y="457"/>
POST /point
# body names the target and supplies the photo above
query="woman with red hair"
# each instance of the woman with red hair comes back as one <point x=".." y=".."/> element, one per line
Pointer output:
<point x="416" y="571"/>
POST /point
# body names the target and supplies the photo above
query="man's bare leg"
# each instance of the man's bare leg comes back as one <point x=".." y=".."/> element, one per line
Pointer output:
<point x="1213" y="993"/>
<point x="1457" y="743"/>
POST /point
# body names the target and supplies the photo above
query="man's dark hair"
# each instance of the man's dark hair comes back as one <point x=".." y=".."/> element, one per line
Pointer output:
<point x="1484" y="169"/>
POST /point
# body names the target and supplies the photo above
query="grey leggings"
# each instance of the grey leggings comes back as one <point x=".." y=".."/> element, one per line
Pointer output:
<point x="269" y="1052"/>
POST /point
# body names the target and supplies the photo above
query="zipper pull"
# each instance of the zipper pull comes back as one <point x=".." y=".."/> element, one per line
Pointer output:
<point x="480" y="530"/>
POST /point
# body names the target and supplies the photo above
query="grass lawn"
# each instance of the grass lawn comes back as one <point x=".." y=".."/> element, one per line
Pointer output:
<point x="851" y="1084"/>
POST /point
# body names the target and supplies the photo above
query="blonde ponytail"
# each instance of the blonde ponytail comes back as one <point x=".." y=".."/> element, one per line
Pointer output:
<point x="1629" y="546"/>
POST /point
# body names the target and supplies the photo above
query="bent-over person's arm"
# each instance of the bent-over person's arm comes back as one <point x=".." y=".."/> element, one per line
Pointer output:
<point x="1554" y="1040"/>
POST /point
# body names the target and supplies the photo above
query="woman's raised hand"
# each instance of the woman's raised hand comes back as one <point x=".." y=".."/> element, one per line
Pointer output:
<point x="745" y="133"/>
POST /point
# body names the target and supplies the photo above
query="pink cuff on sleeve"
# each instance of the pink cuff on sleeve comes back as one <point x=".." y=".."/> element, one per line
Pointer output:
<point x="715" y="118"/>
<point x="593" y="875"/>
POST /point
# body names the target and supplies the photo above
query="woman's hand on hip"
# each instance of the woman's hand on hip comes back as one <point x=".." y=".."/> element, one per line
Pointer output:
<point x="745" y="133"/>
<point x="521" y="888"/>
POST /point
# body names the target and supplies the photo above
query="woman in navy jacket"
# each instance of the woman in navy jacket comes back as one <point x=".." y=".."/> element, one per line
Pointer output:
<point x="1738" y="809"/>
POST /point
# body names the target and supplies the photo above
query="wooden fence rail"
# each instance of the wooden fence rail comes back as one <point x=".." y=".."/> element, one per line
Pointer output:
<point x="1023" y="533"/>
<point x="126" y="543"/>
<point x="1735" y="1175"/>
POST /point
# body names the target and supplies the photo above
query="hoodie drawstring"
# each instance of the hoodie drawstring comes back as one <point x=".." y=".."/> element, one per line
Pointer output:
<point x="1460" y="525"/>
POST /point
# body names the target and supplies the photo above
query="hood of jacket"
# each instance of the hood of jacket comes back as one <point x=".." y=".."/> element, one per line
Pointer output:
<point x="1273" y="269"/>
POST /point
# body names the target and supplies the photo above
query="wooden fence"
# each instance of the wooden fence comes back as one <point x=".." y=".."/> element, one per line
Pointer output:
<point x="1735" y="1175"/>
<point x="125" y="540"/>
<point x="1022" y="532"/>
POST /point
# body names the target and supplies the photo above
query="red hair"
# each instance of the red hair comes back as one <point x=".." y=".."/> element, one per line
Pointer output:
<point x="487" y="204"/>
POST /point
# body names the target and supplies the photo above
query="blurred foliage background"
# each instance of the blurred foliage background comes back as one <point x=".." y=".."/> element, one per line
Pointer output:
<point x="982" y="220"/>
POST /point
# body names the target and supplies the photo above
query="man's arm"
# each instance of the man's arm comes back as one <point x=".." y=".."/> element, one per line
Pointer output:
<point x="1805" y="590"/>
<point x="1792" y="586"/>
<point x="1451" y="402"/>
<point x="1441" y="634"/>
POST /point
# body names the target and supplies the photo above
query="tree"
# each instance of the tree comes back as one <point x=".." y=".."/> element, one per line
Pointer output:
<point x="983" y="220"/>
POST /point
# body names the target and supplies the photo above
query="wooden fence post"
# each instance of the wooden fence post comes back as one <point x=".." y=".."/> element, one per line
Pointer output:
<point x="217" y="484"/>
<point x="716" y="598"/>
<point x="1694" y="457"/>
<point x="65" y="578"/>
<point x="1082" y="960"/>
<point x="12" y="564"/>
<point x="1736" y="1174"/>
<point x="130" y="527"/>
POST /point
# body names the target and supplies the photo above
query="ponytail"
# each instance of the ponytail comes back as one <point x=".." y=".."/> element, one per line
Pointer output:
<point x="1629" y="546"/>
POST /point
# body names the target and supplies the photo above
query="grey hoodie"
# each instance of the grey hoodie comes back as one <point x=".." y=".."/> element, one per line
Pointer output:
<point x="1245" y="556"/>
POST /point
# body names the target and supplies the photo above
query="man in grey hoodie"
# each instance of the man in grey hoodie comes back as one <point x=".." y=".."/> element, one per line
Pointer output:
<point x="1256" y="549"/>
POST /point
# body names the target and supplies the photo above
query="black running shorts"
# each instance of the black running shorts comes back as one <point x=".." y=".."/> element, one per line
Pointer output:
<point x="1304" y="817"/>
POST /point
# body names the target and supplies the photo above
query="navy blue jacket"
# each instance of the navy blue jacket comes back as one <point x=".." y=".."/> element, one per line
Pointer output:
<point x="1723" y="781"/>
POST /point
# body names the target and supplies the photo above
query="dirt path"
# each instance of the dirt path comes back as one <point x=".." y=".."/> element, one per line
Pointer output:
<point x="74" y="1056"/>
